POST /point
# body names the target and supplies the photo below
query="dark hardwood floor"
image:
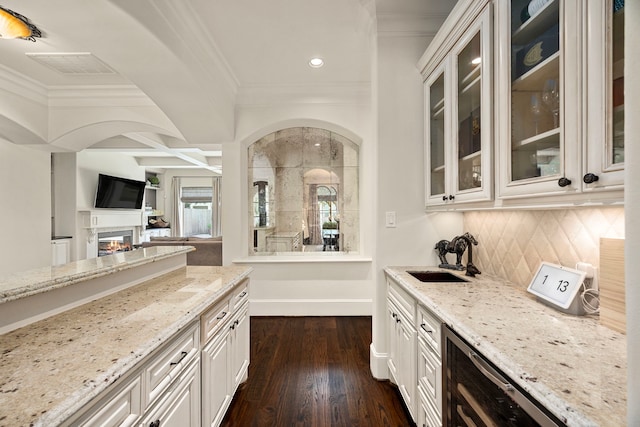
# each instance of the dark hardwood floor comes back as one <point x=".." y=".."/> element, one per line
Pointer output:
<point x="314" y="371"/>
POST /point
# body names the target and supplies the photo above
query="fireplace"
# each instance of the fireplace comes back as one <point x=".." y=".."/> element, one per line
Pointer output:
<point x="111" y="242"/>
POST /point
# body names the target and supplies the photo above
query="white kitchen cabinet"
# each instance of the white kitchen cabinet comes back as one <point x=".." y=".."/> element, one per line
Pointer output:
<point x="215" y="367"/>
<point x="225" y="357"/>
<point x="402" y="344"/>
<point x="429" y="369"/>
<point x="165" y="387"/>
<point x="415" y="355"/>
<point x="179" y="406"/>
<point x="189" y="381"/>
<point x="121" y="408"/>
<point x="458" y="128"/>
<point x="60" y="251"/>
<point x="563" y="139"/>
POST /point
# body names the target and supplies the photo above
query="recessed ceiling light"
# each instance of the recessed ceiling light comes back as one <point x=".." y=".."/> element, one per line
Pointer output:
<point x="316" y="62"/>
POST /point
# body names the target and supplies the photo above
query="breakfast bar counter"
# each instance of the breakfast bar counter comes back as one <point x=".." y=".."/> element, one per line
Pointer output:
<point x="53" y="367"/>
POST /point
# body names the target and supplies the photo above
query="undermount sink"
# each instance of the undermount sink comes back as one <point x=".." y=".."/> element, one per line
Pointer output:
<point x="436" y="276"/>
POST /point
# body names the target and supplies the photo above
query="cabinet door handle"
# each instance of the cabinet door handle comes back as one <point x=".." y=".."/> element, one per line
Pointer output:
<point x="423" y="326"/>
<point x="444" y="198"/>
<point x="155" y="423"/>
<point x="563" y="182"/>
<point x="590" y="178"/>
<point x="182" y="356"/>
<point x="451" y="197"/>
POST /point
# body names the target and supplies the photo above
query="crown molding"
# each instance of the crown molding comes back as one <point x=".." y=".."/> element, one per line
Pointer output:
<point x="98" y="96"/>
<point x="23" y="86"/>
<point x="325" y="94"/>
<point x="403" y="25"/>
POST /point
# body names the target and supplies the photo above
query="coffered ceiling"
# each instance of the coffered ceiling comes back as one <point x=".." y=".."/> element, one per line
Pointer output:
<point x="196" y="60"/>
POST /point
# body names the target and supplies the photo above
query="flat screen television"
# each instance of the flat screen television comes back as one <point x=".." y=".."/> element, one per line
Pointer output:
<point x="119" y="193"/>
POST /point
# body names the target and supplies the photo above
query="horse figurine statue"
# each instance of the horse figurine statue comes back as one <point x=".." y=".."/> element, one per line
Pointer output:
<point x="458" y="245"/>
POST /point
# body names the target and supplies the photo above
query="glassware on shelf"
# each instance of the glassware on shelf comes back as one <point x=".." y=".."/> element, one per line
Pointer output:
<point x="551" y="98"/>
<point x="536" y="110"/>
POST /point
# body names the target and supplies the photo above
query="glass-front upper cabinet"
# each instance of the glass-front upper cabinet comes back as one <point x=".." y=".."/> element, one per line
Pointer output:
<point x="541" y="105"/>
<point x="437" y="131"/>
<point x="561" y="107"/>
<point x="458" y="95"/>
<point x="605" y="109"/>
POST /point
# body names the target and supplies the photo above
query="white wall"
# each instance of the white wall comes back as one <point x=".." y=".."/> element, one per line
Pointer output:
<point x="632" y="210"/>
<point x="296" y="288"/>
<point x="400" y="182"/>
<point x="25" y="216"/>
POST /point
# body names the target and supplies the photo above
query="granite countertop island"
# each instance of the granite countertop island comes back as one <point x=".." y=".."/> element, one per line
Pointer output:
<point x="51" y="368"/>
<point x="571" y="364"/>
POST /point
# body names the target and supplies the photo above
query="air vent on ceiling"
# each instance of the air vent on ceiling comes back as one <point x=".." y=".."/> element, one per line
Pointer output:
<point x="72" y="63"/>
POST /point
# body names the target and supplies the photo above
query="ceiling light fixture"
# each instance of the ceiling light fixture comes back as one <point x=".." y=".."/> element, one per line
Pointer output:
<point x="476" y="61"/>
<point x="316" y="62"/>
<point x="15" y="26"/>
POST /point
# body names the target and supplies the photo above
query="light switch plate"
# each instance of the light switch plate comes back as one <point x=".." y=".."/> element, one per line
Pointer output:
<point x="390" y="219"/>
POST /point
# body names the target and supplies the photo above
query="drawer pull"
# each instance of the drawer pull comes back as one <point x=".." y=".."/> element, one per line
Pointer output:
<point x="242" y="294"/>
<point x="423" y="326"/>
<point x="155" y="423"/>
<point x="224" y="313"/>
<point x="182" y="356"/>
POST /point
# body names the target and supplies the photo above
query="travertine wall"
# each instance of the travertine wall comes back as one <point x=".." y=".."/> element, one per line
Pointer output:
<point x="511" y="244"/>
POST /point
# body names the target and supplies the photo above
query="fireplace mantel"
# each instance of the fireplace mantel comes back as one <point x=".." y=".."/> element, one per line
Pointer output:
<point x="98" y="220"/>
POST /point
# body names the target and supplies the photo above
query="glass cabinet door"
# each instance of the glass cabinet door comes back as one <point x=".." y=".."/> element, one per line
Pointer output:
<point x="616" y="77"/>
<point x="536" y="90"/>
<point x="605" y="137"/>
<point x="472" y="124"/>
<point x="469" y="64"/>
<point x="436" y="133"/>
<point x="458" y="134"/>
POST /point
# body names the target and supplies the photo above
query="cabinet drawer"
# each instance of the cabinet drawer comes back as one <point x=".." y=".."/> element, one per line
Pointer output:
<point x="430" y="375"/>
<point x="214" y="318"/>
<point x="430" y="329"/>
<point x="239" y="296"/>
<point x="167" y="364"/>
<point x="406" y="303"/>
<point x="428" y="416"/>
<point x="122" y="408"/>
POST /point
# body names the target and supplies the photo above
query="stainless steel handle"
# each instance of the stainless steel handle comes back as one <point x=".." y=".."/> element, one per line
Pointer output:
<point x="490" y="373"/>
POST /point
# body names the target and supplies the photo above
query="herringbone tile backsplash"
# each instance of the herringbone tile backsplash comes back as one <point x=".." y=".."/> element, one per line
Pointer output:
<point x="511" y="244"/>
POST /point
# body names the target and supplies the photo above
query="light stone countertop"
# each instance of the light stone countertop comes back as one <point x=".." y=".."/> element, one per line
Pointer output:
<point x="53" y="367"/>
<point x="31" y="282"/>
<point x="570" y="364"/>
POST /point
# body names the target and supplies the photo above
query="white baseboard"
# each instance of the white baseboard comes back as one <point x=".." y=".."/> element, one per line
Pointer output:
<point x="378" y="364"/>
<point x="311" y="307"/>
